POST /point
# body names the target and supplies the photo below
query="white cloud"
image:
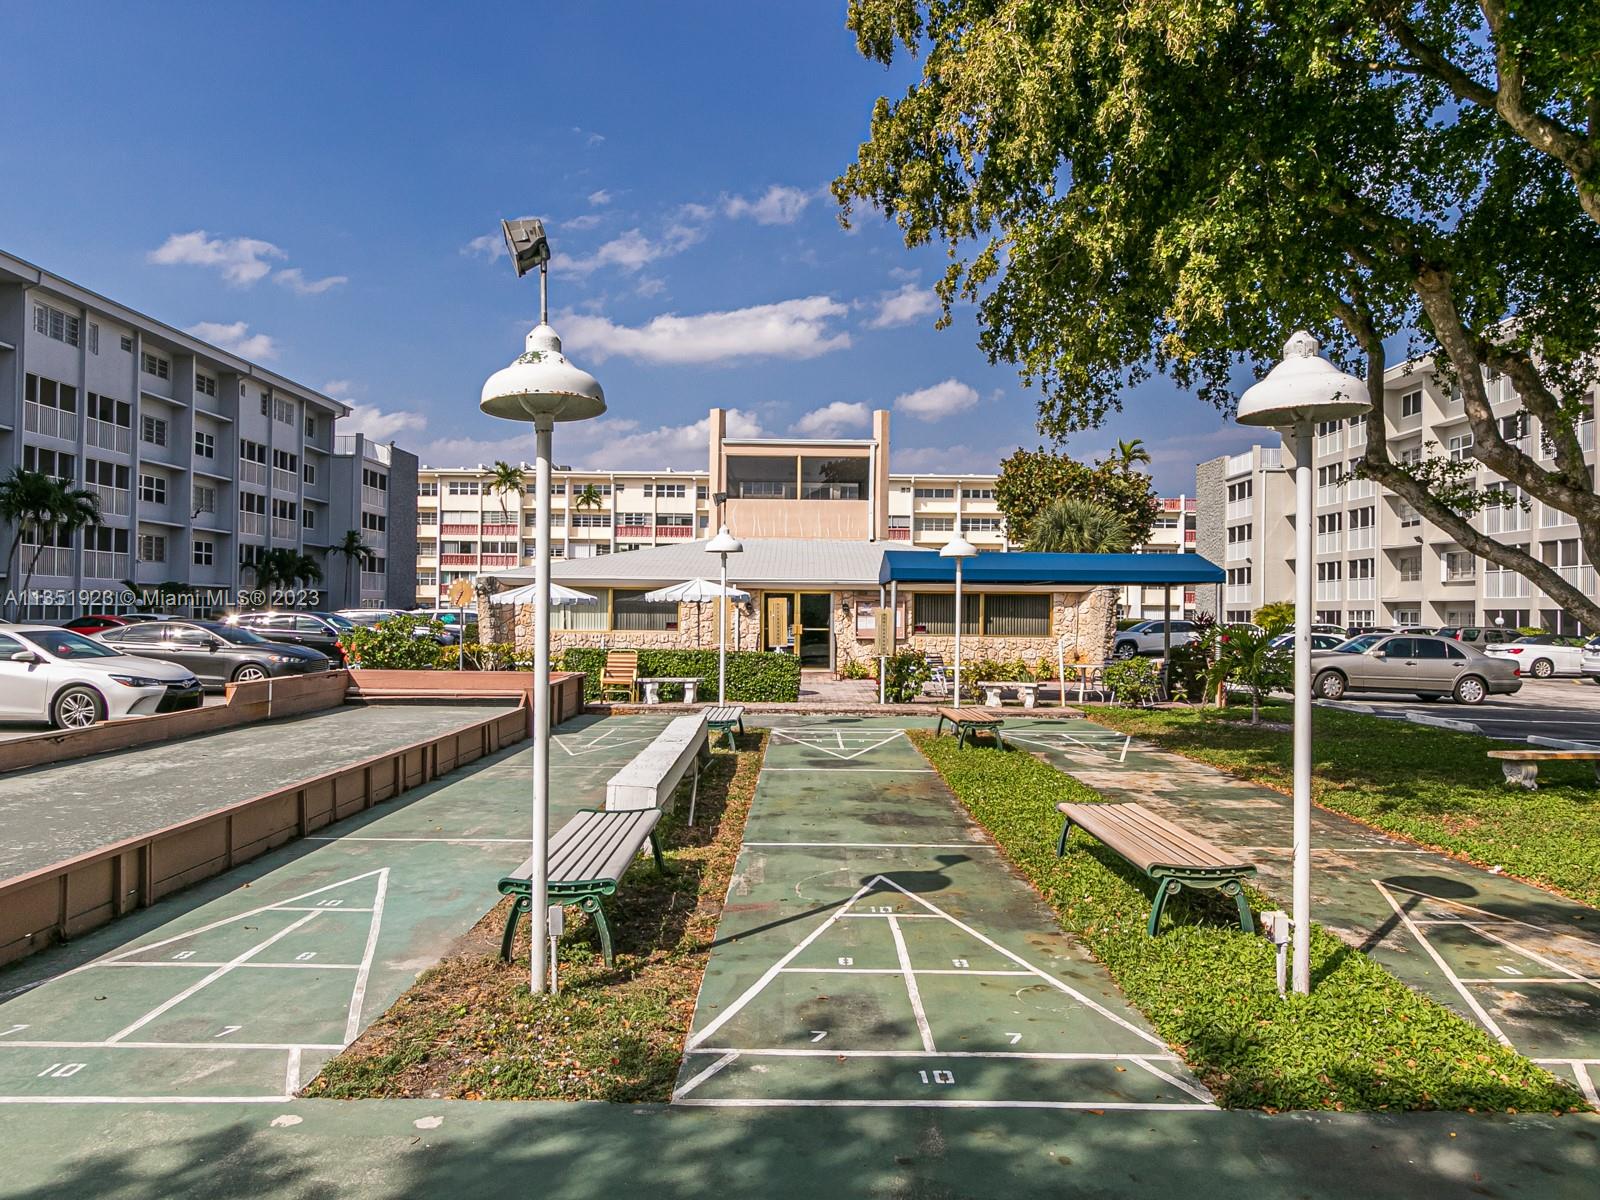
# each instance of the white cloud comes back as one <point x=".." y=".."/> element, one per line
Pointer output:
<point x="696" y="212"/>
<point x="904" y="274"/>
<point x="611" y="443"/>
<point x="789" y="329"/>
<point x="490" y="246"/>
<point x="630" y="251"/>
<point x="944" y="459"/>
<point x="832" y="419"/>
<point x="938" y="401"/>
<point x="295" y="278"/>
<point x="903" y="307"/>
<point x="579" y="224"/>
<point x="241" y="260"/>
<point x="599" y="197"/>
<point x="379" y="425"/>
<point x="338" y="388"/>
<point x="649" y="287"/>
<point x="236" y="336"/>
<point x="778" y="205"/>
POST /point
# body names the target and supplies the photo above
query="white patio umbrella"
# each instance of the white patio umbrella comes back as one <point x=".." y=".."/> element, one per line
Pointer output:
<point x="559" y="596"/>
<point x="695" y="591"/>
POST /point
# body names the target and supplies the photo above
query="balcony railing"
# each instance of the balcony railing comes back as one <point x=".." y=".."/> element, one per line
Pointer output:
<point x="1361" y="538"/>
<point x="1329" y="493"/>
<point x="374" y="497"/>
<point x="1237" y="593"/>
<point x="1329" y="589"/>
<point x="899" y="534"/>
<point x="113" y="501"/>
<point x="1361" y="589"/>
<point x="634" y="531"/>
<point x="500" y="560"/>
<point x="1237" y="551"/>
<point x="459" y="529"/>
<point x="105" y="564"/>
<point x="1504" y="585"/>
<point x="52" y="560"/>
<point x="51" y="422"/>
<point x="1582" y="578"/>
<point x="107" y="436"/>
<point x="285" y="481"/>
<point x="374" y="581"/>
<point x="1238" y="464"/>
<point x="1328" y="543"/>
<point x="250" y="522"/>
<point x="252" y="472"/>
<point x="1239" y="508"/>
<point x="458" y="560"/>
<point x="1361" y="489"/>
<point x="503" y="529"/>
<point x="285" y="529"/>
<point x="674" y="531"/>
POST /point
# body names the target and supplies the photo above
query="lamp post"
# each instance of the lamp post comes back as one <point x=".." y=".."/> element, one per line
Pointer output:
<point x="1301" y="390"/>
<point x="958" y="548"/>
<point x="541" y="386"/>
<point x="723" y="545"/>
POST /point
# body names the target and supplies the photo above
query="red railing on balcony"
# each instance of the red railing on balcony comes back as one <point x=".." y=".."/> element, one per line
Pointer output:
<point x="675" y="531"/>
<point x="458" y="560"/>
<point x="902" y="535"/>
<point x="503" y="531"/>
<point x="1188" y="537"/>
<point x="472" y="529"/>
<point x="499" y="560"/>
<point x="633" y="531"/>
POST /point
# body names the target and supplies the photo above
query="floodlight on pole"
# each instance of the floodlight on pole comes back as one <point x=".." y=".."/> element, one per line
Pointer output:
<point x="1301" y="390"/>
<point x="543" y="387"/>
<point x="959" y="549"/>
<point x="723" y="545"/>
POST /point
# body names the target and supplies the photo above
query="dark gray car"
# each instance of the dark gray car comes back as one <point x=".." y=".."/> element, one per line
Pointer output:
<point x="218" y="654"/>
<point x="1430" y="667"/>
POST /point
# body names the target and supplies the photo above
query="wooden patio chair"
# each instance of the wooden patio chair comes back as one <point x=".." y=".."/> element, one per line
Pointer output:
<point x="621" y="674"/>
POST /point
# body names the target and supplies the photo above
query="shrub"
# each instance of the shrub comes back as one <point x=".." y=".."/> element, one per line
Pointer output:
<point x="1134" y="680"/>
<point x="478" y="656"/>
<point x="1245" y="659"/>
<point x="908" y="671"/>
<point x="857" y="668"/>
<point x="754" y="677"/>
<point x="394" y="645"/>
<point x="1187" y="669"/>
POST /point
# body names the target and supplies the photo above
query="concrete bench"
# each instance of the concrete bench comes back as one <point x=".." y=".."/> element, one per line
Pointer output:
<point x="1521" y="767"/>
<point x="969" y="722"/>
<point x="1168" y="854"/>
<point x="653" y="774"/>
<point x="992" y="692"/>
<point x="722" y="718"/>
<point x="652" y="687"/>
<point x="588" y="857"/>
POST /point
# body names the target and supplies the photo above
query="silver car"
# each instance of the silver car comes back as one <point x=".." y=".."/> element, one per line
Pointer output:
<point x="1431" y="667"/>
<point x="55" y="675"/>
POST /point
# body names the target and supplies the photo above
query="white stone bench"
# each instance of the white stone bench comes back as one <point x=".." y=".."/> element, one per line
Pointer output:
<point x="1028" y="690"/>
<point x="653" y="774"/>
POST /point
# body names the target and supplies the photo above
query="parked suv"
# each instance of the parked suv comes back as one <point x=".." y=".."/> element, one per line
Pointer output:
<point x="1432" y="667"/>
<point x="1146" y="637"/>
<point x="52" y="674"/>
<point x="1479" y="635"/>
<point x="217" y="653"/>
<point x="314" y="630"/>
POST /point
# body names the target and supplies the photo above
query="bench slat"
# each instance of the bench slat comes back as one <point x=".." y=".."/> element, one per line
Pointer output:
<point x="1149" y="841"/>
<point x="595" y="845"/>
<point x="1546" y="755"/>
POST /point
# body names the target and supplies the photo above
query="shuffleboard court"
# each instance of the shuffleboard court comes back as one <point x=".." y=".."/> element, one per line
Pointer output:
<point x="1520" y="961"/>
<point x="57" y="812"/>
<point x="239" y="989"/>
<point x="875" y="952"/>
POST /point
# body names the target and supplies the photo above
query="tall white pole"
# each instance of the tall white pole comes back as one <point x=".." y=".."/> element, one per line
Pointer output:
<point x="1304" y="568"/>
<point x="722" y="636"/>
<point x="958" y="633"/>
<point x="538" y="874"/>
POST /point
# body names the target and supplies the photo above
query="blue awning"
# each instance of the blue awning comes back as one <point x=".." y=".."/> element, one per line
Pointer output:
<point x="1148" y="570"/>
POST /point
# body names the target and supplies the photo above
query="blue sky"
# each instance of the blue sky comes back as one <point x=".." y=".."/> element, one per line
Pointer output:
<point x="319" y="187"/>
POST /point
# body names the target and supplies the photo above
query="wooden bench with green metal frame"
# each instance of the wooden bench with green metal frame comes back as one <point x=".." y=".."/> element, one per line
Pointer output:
<point x="588" y="857"/>
<point x="1173" y="857"/>
<point x="722" y="718"/>
<point x="969" y="722"/>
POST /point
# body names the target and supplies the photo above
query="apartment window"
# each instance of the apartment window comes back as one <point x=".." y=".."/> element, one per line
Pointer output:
<point x="676" y="520"/>
<point x="1458" y="565"/>
<point x="152" y="489"/>
<point x="1514" y="427"/>
<point x="427" y="518"/>
<point x="205" y="499"/>
<point x="154" y="431"/>
<point x="934" y="493"/>
<point x="633" y="518"/>
<point x="255" y="452"/>
<point x="283" y="411"/>
<point x="1240" y="533"/>
<point x="205" y="552"/>
<point x="308" y="519"/>
<point x="309" y="474"/>
<point x="1330" y="572"/>
<point x="154" y="364"/>
<point x="1411" y="404"/>
<point x="311" y="428"/>
<point x="630" y="610"/>
<point x="1410" y="567"/>
<point x="284" y="461"/>
<point x="429" y="487"/>
<point x="1460" y="447"/>
<point x="1413" y="616"/>
<point x="1363" y="568"/>
<point x="973" y="493"/>
<point x="665" y="491"/>
<point x="934" y="524"/>
<point x="50" y="462"/>
<point x="1330" y="523"/>
<point x="56" y="324"/>
<point x="266" y="404"/>
<point x="1361" y="518"/>
<point x="127" y="344"/>
<point x="374" y="522"/>
<point x="986" y="615"/>
<point x="104" y="474"/>
<point x="94" y="338"/>
<point x="205" y="445"/>
<point x="590" y="520"/>
<point x="253" y="502"/>
<point x="1238" y="576"/>
<point x="1409" y="516"/>
<point x="379" y="480"/>
<point x="152" y="547"/>
<point x="700" y="491"/>
<point x="982" y="524"/>
<point x="1410" y="457"/>
<point x="285" y="510"/>
<point x="205" y="385"/>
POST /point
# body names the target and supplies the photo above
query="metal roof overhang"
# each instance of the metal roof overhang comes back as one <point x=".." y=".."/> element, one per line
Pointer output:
<point x="1081" y="570"/>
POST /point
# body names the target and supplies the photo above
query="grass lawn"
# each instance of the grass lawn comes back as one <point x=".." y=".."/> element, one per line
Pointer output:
<point x="470" y="1029"/>
<point x="1434" y="786"/>
<point x="1361" y="1040"/>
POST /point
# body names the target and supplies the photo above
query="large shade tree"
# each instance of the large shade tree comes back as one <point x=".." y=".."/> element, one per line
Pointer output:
<point x="1130" y="187"/>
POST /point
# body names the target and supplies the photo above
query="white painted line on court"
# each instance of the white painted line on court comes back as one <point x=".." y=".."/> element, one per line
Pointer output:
<point x="893" y="970"/>
<point x="215" y="975"/>
<point x="175" y="1045"/>
<point x="255" y="966"/>
<point x="1335" y="850"/>
<point x="842" y="770"/>
<point x="1492" y="916"/>
<point x="1580" y="1070"/>
<point x="1197" y="1092"/>
<point x="1515" y="980"/>
<point x="920" y="1055"/>
<point x="144" y="1099"/>
<point x="465" y="841"/>
<point x="1080" y="1105"/>
<point x="291" y="1072"/>
<point x="1572" y="976"/>
<point x="704" y="1075"/>
<point x="1438" y="959"/>
<point x="358" y="994"/>
<point x="883" y="845"/>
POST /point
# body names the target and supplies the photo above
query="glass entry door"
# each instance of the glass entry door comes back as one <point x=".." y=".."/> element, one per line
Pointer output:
<point x="799" y="622"/>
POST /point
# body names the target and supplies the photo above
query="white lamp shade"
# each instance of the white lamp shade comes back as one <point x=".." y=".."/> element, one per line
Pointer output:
<point x="541" y="382"/>
<point x="1303" y="387"/>
<point x="957" y="547"/>
<point x="724" y="543"/>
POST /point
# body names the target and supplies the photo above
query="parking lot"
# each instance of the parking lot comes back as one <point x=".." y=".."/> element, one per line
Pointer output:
<point x="1544" y="711"/>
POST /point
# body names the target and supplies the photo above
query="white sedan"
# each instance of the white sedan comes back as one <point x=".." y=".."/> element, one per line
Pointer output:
<point x="55" y="675"/>
<point x="1542" y="655"/>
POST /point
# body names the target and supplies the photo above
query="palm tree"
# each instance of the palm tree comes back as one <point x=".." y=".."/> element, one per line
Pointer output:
<point x="356" y="554"/>
<point x="306" y="569"/>
<point x="1073" y="526"/>
<point x="589" y="497"/>
<point x="276" y="568"/>
<point x="46" y="507"/>
<point x="505" y="478"/>
<point x="1131" y="453"/>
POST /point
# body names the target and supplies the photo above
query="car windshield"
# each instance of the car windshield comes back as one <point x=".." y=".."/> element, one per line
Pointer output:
<point x="339" y="622"/>
<point x="1359" y="645"/>
<point x="63" y="643"/>
<point x="236" y="635"/>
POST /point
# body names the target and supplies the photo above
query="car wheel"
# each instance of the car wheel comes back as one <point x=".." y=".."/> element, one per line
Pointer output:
<point x="1542" y="668"/>
<point x="1125" y="650"/>
<point x="249" y="673"/>
<point x="1329" y="685"/>
<point x="75" y="707"/>
<point x="1471" y="690"/>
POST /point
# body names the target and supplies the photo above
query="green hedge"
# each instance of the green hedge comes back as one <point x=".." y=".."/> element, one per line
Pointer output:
<point x="753" y="677"/>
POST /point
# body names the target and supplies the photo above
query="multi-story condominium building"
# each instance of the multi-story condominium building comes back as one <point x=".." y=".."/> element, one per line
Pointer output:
<point x="201" y="460"/>
<point x="1378" y="560"/>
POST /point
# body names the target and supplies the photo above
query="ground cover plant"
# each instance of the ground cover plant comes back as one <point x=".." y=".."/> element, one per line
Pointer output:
<point x="470" y="1029"/>
<point x="754" y="677"/>
<point x="1361" y="1040"/>
<point x="1433" y="786"/>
